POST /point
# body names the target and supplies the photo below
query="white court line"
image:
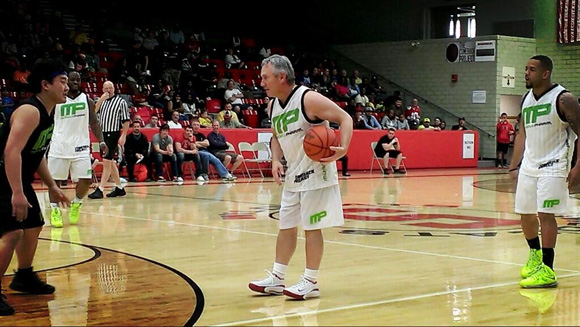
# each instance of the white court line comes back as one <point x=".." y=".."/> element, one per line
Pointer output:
<point x="334" y="242"/>
<point x="370" y="304"/>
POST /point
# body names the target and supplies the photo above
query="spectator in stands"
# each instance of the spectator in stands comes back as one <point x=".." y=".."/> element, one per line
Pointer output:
<point x="227" y="107"/>
<point x="304" y="78"/>
<point x="390" y="120"/>
<point x="460" y="125"/>
<point x="363" y="98"/>
<point x="162" y="151"/>
<point x="437" y="123"/>
<point x="356" y="80"/>
<point x="371" y="121"/>
<point x="265" y="51"/>
<point x="228" y="122"/>
<point x="78" y="35"/>
<point x="153" y="122"/>
<point x="174" y="122"/>
<point x="375" y="88"/>
<point x="233" y="95"/>
<point x="187" y="151"/>
<point x="137" y="60"/>
<point x="443" y="125"/>
<point x="218" y="147"/>
<point x="204" y="119"/>
<point x="136" y="150"/>
<point x="232" y="60"/>
<point x="7" y="106"/>
<point x="201" y="142"/>
<point x="149" y="42"/>
<point x="390" y="100"/>
<point x="403" y="123"/>
<point x="388" y="146"/>
<point x="359" y="121"/>
<point x="137" y="119"/>
<point x="176" y="35"/>
<point x="426" y="125"/>
<point x="504" y="131"/>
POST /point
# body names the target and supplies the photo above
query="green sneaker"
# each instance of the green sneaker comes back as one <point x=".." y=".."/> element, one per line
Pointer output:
<point x="534" y="261"/>
<point x="74" y="213"/>
<point x="544" y="277"/>
<point x="56" y="218"/>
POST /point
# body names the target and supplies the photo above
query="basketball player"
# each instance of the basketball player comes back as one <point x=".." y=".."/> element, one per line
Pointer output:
<point x="23" y="142"/>
<point x="549" y="126"/>
<point x="70" y="149"/>
<point x="311" y="196"/>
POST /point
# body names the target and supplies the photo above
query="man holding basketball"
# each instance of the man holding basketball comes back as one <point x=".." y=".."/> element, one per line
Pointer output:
<point x="311" y="196"/>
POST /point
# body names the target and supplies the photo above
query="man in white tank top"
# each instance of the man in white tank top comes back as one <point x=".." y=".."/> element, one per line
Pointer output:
<point x="311" y="196"/>
<point x="70" y="148"/>
<point x="549" y="125"/>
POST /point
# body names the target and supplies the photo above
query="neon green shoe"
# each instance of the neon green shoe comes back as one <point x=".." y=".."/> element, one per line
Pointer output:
<point x="544" y="277"/>
<point x="534" y="261"/>
<point x="541" y="299"/>
<point x="74" y="213"/>
<point x="56" y="218"/>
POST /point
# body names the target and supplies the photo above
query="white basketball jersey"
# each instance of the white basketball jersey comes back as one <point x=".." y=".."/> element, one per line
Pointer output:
<point x="549" y="140"/>
<point x="71" y="137"/>
<point x="289" y="125"/>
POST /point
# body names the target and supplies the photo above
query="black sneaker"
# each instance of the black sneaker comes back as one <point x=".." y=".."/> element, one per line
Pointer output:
<point x="5" y="308"/>
<point x="399" y="171"/>
<point x="97" y="194"/>
<point x="27" y="281"/>
<point x="385" y="172"/>
<point x="346" y="175"/>
<point x="117" y="192"/>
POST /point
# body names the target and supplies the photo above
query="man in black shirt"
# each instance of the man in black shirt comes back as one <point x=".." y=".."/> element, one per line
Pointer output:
<point x="460" y="126"/>
<point x="23" y="143"/>
<point x="388" y="146"/>
<point x="137" y="150"/>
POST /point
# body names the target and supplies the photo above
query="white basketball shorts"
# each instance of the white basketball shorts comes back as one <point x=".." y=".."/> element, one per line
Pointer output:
<point x="541" y="194"/>
<point x="316" y="209"/>
<point x="80" y="168"/>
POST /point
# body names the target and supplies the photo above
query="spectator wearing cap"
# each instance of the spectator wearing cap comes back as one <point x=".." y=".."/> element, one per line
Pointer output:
<point x="228" y="122"/>
<point x="371" y="121"/>
<point x="426" y="125"/>
<point x="460" y="125"/>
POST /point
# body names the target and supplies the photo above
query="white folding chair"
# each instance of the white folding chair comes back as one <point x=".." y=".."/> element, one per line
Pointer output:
<point x="243" y="166"/>
<point x="263" y="149"/>
<point x="250" y="157"/>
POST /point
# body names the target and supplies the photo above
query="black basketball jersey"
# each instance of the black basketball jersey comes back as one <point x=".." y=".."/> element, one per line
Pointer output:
<point x="35" y="148"/>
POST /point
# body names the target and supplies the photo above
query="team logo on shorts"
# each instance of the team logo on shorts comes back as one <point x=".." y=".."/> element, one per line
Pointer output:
<point x="317" y="217"/>
<point x="551" y="203"/>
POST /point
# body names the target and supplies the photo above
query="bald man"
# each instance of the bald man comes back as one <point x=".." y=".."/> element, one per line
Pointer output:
<point x="114" y="117"/>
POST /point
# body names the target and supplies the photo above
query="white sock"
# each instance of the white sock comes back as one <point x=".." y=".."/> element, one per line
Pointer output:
<point x="119" y="186"/>
<point x="101" y="188"/>
<point x="77" y="200"/>
<point x="53" y="205"/>
<point x="311" y="275"/>
<point x="279" y="270"/>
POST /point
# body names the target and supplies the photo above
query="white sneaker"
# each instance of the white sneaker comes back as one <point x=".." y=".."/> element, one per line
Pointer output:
<point x="303" y="290"/>
<point x="178" y="180"/>
<point x="200" y="178"/>
<point x="270" y="285"/>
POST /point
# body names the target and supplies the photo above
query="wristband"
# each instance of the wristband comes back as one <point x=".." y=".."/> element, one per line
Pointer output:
<point x="102" y="143"/>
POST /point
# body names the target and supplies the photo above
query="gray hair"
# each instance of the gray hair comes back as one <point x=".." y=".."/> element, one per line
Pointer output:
<point x="281" y="64"/>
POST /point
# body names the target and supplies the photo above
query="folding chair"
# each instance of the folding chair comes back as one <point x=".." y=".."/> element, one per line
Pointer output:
<point x="245" y="147"/>
<point x="376" y="159"/>
<point x="243" y="166"/>
<point x="261" y="147"/>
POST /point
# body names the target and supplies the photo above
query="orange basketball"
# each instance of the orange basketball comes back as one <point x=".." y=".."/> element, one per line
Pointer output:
<point x="317" y="142"/>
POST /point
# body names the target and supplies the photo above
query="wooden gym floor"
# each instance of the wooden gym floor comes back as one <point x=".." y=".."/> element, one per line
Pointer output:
<point x="434" y="247"/>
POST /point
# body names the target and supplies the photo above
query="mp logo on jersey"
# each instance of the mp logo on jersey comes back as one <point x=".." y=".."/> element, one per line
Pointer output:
<point x="70" y="109"/>
<point x="532" y="113"/>
<point x="281" y="122"/>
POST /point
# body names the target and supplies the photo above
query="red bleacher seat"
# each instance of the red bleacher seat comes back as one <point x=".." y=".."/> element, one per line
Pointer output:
<point x="251" y="118"/>
<point x="213" y="105"/>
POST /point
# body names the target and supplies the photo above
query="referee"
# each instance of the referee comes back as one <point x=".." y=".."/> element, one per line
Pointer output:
<point x="114" y="116"/>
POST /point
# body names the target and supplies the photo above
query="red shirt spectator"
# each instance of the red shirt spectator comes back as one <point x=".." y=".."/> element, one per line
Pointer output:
<point x="504" y="130"/>
<point x="413" y="108"/>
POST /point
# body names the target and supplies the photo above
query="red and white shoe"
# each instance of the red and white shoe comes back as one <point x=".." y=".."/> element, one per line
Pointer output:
<point x="305" y="289"/>
<point x="269" y="285"/>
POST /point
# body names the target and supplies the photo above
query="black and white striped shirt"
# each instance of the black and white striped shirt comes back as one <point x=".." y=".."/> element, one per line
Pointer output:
<point x="113" y="113"/>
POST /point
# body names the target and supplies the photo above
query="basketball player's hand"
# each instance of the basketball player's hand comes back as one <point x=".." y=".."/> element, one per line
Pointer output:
<point x="57" y="196"/>
<point x="122" y="140"/>
<point x="277" y="171"/>
<point x="339" y="152"/>
<point x="574" y="177"/>
<point x="104" y="149"/>
<point x="514" y="174"/>
<point x="20" y="206"/>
